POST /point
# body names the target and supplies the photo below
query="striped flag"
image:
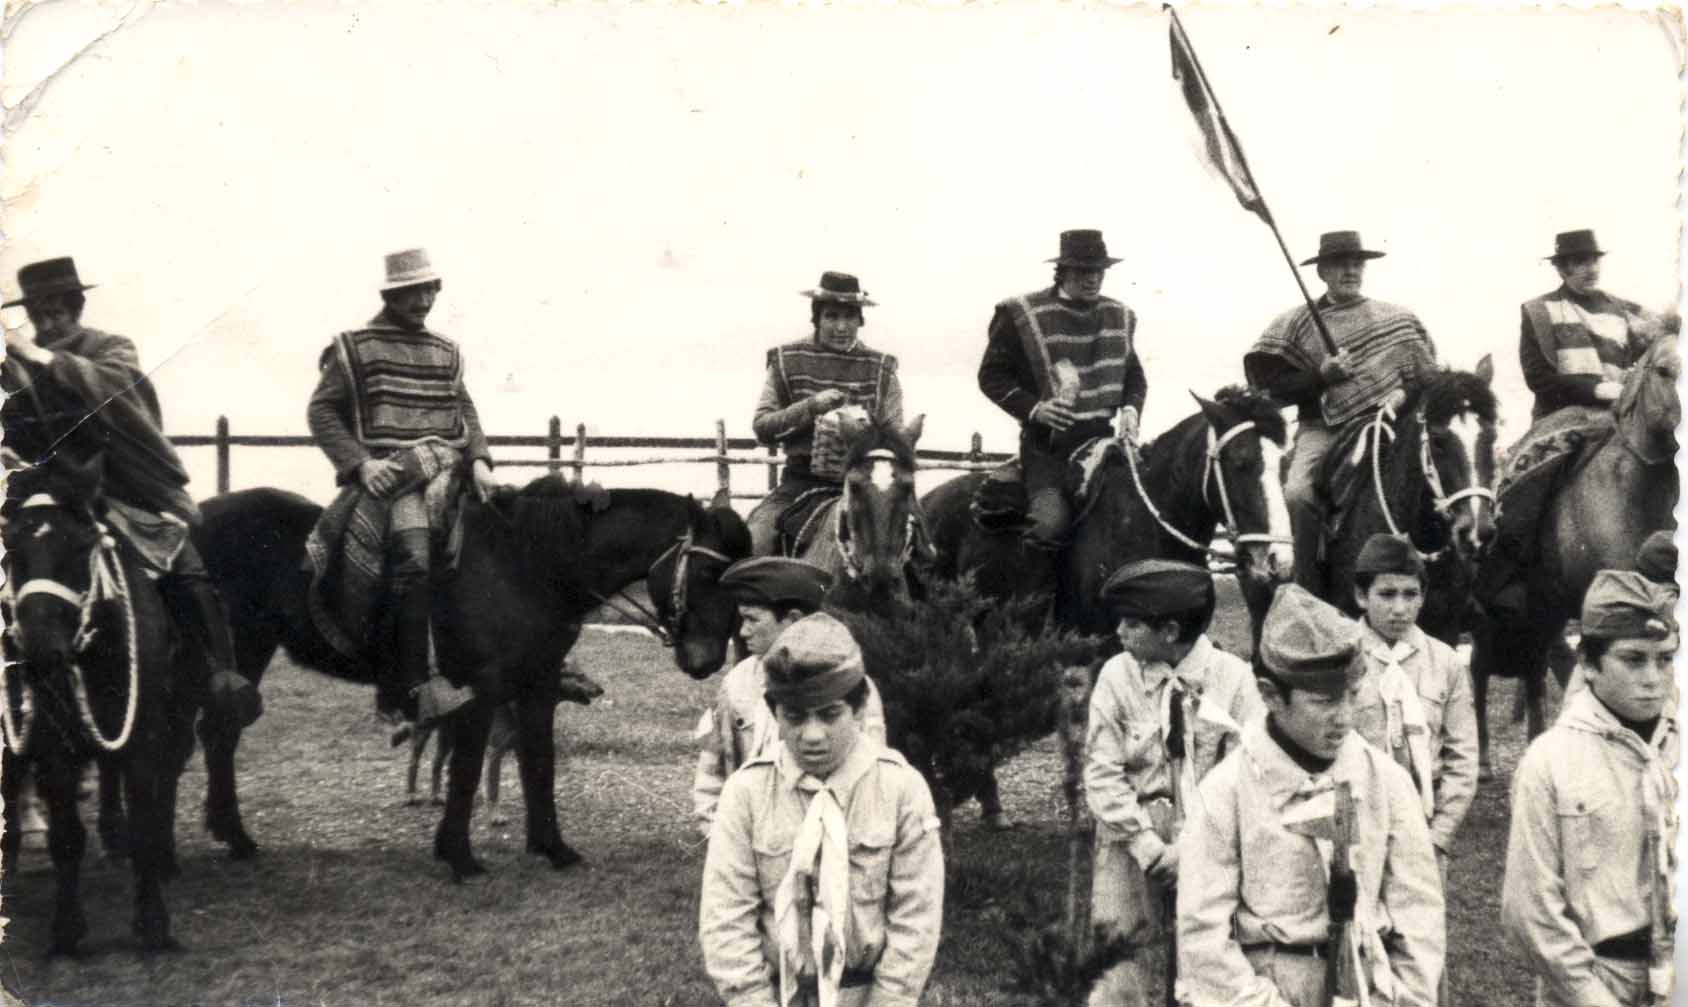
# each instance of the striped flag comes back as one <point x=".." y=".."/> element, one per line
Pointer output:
<point x="1224" y="154"/>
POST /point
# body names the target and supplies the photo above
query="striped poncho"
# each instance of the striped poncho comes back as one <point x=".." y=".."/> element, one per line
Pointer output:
<point x="405" y="386"/>
<point x="1385" y="343"/>
<point x="1078" y="351"/>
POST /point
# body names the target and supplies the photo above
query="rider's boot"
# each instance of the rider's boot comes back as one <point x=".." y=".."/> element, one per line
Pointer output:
<point x="1049" y="515"/>
<point x="205" y="624"/>
<point x="1307" y="525"/>
<point x="429" y="696"/>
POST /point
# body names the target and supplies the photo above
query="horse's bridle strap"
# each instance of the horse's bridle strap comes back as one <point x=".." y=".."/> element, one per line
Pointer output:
<point x="52" y="588"/>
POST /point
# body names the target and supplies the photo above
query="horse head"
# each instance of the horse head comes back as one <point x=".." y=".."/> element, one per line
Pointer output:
<point x="1454" y="454"/>
<point x="1649" y="408"/>
<point x="1245" y="445"/>
<point x="879" y="512"/>
<point x="49" y="530"/>
<point x="698" y="616"/>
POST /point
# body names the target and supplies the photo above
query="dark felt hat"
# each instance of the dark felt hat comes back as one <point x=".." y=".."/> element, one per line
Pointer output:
<point x="1385" y="553"/>
<point x="776" y="580"/>
<point x="1341" y="245"/>
<point x="840" y="288"/>
<point x="1573" y="244"/>
<point x="47" y="278"/>
<point x="1157" y="588"/>
<point x="1083" y="249"/>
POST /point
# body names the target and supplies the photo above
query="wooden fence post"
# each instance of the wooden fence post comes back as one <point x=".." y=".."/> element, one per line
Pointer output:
<point x="723" y="471"/>
<point x="773" y="469"/>
<point x="554" y="445"/>
<point x="222" y="454"/>
<point x="977" y="450"/>
<point x="580" y="452"/>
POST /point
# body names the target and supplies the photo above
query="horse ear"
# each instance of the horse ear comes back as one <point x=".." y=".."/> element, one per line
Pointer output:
<point x="723" y="498"/>
<point x="912" y="431"/>
<point x="1210" y="409"/>
<point x="1486" y="368"/>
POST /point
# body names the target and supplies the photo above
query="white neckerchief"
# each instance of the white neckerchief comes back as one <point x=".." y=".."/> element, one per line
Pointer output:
<point x="1404" y="715"/>
<point x="813" y="899"/>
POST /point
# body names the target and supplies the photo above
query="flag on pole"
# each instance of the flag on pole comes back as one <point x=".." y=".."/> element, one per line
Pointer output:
<point x="1223" y="151"/>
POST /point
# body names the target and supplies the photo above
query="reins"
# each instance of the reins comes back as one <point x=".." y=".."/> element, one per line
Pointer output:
<point x="646" y="616"/>
<point x="1443" y="501"/>
<point x="1212" y="471"/>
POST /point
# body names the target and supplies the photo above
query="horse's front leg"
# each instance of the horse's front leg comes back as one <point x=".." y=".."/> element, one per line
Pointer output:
<point x="57" y="777"/>
<point x="113" y="822"/>
<point x="220" y="738"/>
<point x="12" y="768"/>
<point x="536" y="757"/>
<point x="152" y="824"/>
<point x="468" y="728"/>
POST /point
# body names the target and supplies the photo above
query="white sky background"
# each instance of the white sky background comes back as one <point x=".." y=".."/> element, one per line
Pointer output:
<point x="625" y="201"/>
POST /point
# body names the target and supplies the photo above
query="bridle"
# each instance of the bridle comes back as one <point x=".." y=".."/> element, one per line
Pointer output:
<point x="840" y="530"/>
<point x="1443" y="501"/>
<point x="1212" y="473"/>
<point x="107" y="581"/>
<point x="670" y="629"/>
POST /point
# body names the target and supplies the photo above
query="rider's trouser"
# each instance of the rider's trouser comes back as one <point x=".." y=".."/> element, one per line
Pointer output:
<point x="199" y="610"/>
<point x="408" y="564"/>
<point x="1304" y="499"/>
<point x="764" y="518"/>
<point x="1043" y="466"/>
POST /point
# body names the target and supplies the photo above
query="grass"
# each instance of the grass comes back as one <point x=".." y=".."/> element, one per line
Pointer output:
<point x="346" y="905"/>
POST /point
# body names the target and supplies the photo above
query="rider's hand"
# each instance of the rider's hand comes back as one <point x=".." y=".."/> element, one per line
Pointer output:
<point x="1053" y="414"/>
<point x="828" y="400"/>
<point x="22" y="345"/>
<point x="1165" y="867"/>
<point x="1128" y="424"/>
<point x="378" y="478"/>
<point x="485" y="484"/>
<point x="1608" y="391"/>
<point x="1393" y="400"/>
<point x="1335" y="369"/>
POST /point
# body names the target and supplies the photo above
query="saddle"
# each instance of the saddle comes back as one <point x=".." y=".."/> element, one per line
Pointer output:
<point x="1000" y="502"/>
<point x="802" y="520"/>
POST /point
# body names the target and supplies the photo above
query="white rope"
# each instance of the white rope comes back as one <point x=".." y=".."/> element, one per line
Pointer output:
<point x="107" y="581"/>
<point x="1142" y="494"/>
<point x="14" y="727"/>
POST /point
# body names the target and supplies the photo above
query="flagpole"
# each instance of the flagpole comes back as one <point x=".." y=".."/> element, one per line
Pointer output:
<point x="1242" y="161"/>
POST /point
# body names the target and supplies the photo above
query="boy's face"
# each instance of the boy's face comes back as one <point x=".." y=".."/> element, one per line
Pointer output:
<point x="759" y="627"/>
<point x="1317" y="720"/>
<point x="819" y="737"/>
<point x="1391" y="604"/>
<point x="1145" y="642"/>
<point x="1634" y="676"/>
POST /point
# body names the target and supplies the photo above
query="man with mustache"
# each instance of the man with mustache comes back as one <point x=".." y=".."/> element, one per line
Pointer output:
<point x="1589" y="858"/>
<point x="1254" y="903"/>
<point x="1062" y="362"/>
<point x="1380" y="348"/>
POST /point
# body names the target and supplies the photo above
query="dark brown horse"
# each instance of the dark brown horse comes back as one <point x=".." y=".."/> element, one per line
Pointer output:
<point x="91" y="672"/>
<point x="534" y="563"/>
<point x="1430" y="475"/>
<point x="1624" y="489"/>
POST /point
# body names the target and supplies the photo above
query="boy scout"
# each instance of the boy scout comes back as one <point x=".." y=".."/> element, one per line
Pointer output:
<point x="1254" y="903"/>
<point x="1588" y="861"/>
<point x="772" y="592"/>
<point x="1162" y="714"/>
<point x="824" y="881"/>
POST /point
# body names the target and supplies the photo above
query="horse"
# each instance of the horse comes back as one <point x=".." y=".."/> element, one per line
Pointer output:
<point x="1218" y="465"/>
<point x="1623" y="488"/>
<point x="534" y="562"/>
<point x="91" y="671"/>
<point x="870" y="535"/>
<point x="1428" y="472"/>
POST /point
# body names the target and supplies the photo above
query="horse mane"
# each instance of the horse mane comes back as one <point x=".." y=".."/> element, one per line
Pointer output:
<point x="1445" y="394"/>
<point x="1251" y="404"/>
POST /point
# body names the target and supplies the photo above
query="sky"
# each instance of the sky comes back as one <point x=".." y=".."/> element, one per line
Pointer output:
<point x="625" y="201"/>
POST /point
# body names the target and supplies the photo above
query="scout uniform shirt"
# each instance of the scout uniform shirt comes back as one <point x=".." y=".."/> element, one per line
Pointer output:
<point x="1415" y="704"/>
<point x="1582" y="862"/>
<point x="740" y="727"/>
<point x="1246" y="879"/>
<point x="895" y="877"/>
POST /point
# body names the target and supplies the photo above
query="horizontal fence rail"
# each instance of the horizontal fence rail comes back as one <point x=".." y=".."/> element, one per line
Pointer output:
<point x="720" y="452"/>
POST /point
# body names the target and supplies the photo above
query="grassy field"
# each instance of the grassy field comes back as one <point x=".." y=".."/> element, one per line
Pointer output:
<point x="346" y="904"/>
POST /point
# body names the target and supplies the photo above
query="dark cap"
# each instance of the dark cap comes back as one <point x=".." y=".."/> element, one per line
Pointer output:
<point x="1384" y="553"/>
<point x="1158" y="588"/>
<point x="776" y="580"/>
<point x="815" y="661"/>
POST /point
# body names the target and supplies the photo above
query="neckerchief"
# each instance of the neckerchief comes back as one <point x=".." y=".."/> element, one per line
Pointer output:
<point x="813" y="899"/>
<point x="1404" y="715"/>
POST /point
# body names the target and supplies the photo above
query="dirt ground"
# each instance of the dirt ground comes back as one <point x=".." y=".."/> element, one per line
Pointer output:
<point x="346" y="905"/>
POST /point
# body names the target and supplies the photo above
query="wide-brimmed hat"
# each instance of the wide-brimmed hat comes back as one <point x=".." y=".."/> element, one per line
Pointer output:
<point x="1572" y="244"/>
<point x="1083" y="249"/>
<point x="840" y="288"/>
<point x="409" y="268"/>
<point x="46" y="278"/>
<point x="1341" y="245"/>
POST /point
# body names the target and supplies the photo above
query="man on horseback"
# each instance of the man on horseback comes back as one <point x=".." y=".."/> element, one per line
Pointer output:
<point x="392" y="414"/>
<point x="1576" y="345"/>
<point x="1062" y="362"/>
<point x="1380" y="349"/>
<point x="81" y="391"/>
<point x="807" y="382"/>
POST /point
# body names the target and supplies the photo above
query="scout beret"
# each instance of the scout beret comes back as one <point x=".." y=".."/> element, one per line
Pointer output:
<point x="815" y="661"/>
<point x="1308" y="644"/>
<point x="1385" y="553"/>
<point x="1657" y="559"/>
<point x="775" y="580"/>
<point x="1624" y="604"/>
<point x="1156" y="588"/>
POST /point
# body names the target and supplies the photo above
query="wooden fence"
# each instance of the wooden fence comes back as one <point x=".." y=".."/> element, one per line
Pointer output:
<point x="721" y="454"/>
